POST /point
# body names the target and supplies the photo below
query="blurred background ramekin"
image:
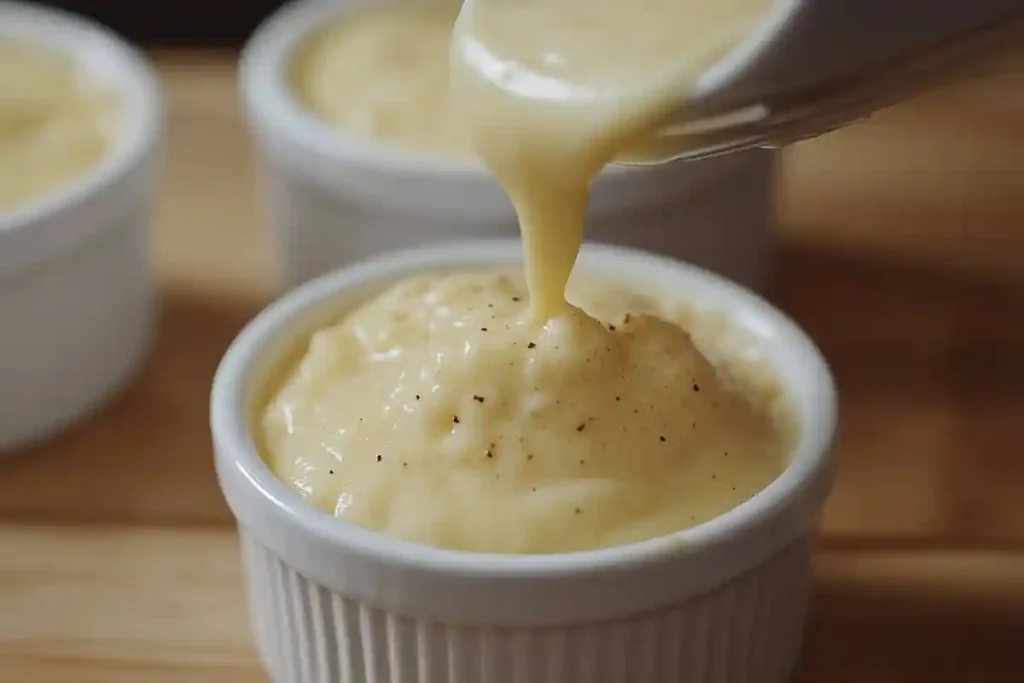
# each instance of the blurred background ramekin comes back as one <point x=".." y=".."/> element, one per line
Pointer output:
<point x="723" y="602"/>
<point x="332" y="199"/>
<point x="76" y="295"/>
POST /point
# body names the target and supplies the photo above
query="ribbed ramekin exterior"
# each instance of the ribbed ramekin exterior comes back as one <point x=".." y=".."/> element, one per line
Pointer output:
<point x="748" y="630"/>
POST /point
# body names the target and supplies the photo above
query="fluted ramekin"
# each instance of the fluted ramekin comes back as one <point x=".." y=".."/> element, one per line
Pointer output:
<point x="723" y="602"/>
<point x="76" y="291"/>
<point x="333" y="199"/>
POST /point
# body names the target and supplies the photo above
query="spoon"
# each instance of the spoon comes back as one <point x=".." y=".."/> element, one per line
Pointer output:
<point x="817" y="65"/>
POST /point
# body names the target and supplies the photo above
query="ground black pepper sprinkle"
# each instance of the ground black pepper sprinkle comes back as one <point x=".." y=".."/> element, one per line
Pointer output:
<point x="478" y="399"/>
<point x="490" y="453"/>
<point x="583" y="462"/>
<point x="330" y="471"/>
<point x="516" y="299"/>
<point x="611" y="328"/>
<point x="581" y="426"/>
<point x="483" y="329"/>
<point x="578" y="511"/>
<point x="529" y="456"/>
<point x="379" y="457"/>
<point x="627" y="318"/>
<point x="696" y="387"/>
<point x="618" y="398"/>
<point x="417" y="397"/>
<point x="662" y="438"/>
<point x="530" y="345"/>
<point x="455" y="419"/>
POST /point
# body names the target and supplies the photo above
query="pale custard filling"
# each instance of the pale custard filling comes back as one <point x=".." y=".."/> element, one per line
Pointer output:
<point x="53" y="123"/>
<point x="439" y="413"/>
<point x="481" y="411"/>
<point x="382" y="74"/>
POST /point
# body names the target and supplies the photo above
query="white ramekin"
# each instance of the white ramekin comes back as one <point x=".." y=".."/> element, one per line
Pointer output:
<point x="724" y="602"/>
<point x="76" y="297"/>
<point x="332" y="200"/>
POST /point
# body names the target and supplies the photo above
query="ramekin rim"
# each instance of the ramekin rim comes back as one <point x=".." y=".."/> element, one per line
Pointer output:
<point x="236" y="449"/>
<point x="146" y="121"/>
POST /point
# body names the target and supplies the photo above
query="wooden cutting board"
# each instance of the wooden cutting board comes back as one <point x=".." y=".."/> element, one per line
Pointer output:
<point x="902" y="252"/>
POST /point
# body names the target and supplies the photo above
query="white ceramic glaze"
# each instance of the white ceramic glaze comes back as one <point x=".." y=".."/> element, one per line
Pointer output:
<point x="333" y="199"/>
<point x="802" y="44"/>
<point x="723" y="602"/>
<point x="76" y="298"/>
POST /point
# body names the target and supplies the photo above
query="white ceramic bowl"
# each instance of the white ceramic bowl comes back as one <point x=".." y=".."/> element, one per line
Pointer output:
<point x="723" y="602"/>
<point x="332" y="199"/>
<point x="76" y="298"/>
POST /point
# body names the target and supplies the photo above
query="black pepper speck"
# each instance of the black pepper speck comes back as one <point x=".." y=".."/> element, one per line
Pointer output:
<point x="530" y="345"/>
<point x="379" y="457"/>
<point x="478" y="399"/>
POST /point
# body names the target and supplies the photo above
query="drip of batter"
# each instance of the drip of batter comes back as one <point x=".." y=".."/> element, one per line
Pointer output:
<point x="552" y="90"/>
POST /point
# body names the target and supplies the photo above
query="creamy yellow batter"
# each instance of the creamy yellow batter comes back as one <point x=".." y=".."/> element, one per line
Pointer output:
<point x="383" y="74"/>
<point x="471" y="411"/>
<point x="440" y="413"/>
<point x="552" y="90"/>
<point x="53" y="123"/>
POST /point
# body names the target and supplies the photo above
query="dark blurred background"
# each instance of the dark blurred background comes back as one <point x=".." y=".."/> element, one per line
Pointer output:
<point x="162" y="23"/>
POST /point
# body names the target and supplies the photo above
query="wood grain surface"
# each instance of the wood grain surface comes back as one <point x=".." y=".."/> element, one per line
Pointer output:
<point x="902" y="252"/>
